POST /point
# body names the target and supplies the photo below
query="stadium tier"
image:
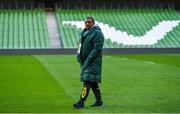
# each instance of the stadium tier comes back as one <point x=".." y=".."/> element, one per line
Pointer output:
<point x="23" y="29"/>
<point x="127" y="28"/>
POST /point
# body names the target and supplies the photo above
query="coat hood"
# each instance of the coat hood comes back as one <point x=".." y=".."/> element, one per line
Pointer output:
<point x="96" y="27"/>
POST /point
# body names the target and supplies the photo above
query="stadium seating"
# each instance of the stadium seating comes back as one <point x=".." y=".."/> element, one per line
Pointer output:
<point x="23" y="29"/>
<point x="127" y="28"/>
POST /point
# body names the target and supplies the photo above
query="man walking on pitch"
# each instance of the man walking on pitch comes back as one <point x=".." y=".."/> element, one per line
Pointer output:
<point x="89" y="56"/>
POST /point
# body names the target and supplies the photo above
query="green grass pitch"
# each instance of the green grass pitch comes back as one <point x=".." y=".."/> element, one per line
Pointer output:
<point x="130" y="83"/>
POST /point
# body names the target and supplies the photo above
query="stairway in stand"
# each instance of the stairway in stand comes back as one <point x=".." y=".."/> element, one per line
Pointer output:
<point x="53" y="30"/>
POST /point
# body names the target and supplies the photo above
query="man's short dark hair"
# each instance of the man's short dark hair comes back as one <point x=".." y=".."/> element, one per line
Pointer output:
<point x="90" y="17"/>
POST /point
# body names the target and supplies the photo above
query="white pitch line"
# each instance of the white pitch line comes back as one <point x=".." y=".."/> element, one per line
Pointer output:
<point x="124" y="58"/>
<point x="149" y="62"/>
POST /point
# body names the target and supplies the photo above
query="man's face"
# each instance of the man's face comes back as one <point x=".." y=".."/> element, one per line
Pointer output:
<point x="89" y="23"/>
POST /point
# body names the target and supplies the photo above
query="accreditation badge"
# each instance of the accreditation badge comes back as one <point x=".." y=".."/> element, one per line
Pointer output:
<point x="79" y="48"/>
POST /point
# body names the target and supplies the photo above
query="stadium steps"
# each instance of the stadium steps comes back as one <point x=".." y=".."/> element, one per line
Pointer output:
<point x="53" y="30"/>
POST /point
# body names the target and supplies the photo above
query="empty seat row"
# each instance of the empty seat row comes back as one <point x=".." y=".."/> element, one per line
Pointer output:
<point x="23" y="29"/>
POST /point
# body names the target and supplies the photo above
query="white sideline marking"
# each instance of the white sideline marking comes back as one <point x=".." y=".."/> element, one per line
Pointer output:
<point x="149" y="62"/>
<point x="125" y="59"/>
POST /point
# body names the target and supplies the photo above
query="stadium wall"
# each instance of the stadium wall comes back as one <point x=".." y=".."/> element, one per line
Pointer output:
<point x="90" y="4"/>
<point x="105" y="51"/>
<point x="117" y="4"/>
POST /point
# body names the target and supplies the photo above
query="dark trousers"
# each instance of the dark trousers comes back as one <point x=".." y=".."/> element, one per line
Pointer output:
<point x="86" y="88"/>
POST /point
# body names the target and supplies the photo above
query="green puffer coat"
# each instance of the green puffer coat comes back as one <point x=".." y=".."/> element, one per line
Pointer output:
<point x="90" y="54"/>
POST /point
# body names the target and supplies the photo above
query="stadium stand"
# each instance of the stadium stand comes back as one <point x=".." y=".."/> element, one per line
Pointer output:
<point x="23" y="29"/>
<point x="123" y="28"/>
<point x="126" y="28"/>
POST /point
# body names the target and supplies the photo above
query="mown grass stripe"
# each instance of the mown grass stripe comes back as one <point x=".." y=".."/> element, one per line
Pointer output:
<point x="26" y="86"/>
<point x="128" y="85"/>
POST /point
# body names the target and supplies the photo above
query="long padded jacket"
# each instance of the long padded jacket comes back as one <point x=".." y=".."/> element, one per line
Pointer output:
<point x="90" y="54"/>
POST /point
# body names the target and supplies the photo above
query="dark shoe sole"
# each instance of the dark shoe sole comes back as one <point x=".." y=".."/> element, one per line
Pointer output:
<point x="78" y="107"/>
<point x="97" y="105"/>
